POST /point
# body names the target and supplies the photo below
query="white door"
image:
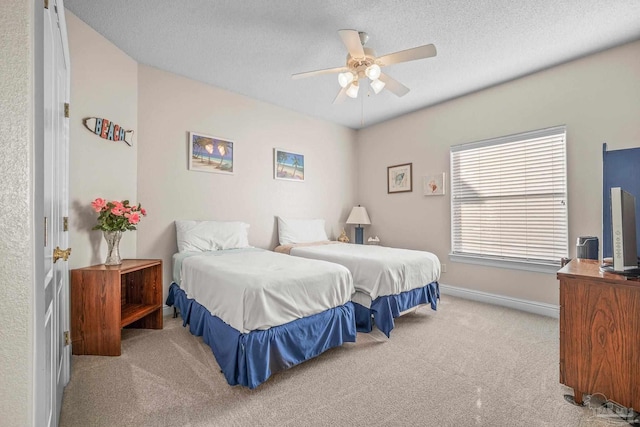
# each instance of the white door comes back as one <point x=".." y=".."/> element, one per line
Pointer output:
<point x="56" y="358"/>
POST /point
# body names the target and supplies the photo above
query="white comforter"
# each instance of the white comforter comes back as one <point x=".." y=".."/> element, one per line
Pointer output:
<point x="378" y="270"/>
<point x="252" y="289"/>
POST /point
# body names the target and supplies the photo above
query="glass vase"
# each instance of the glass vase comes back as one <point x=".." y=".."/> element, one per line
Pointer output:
<point x="113" y="247"/>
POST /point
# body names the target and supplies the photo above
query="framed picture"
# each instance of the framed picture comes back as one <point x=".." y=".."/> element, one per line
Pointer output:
<point x="399" y="179"/>
<point x="210" y="154"/>
<point x="288" y="165"/>
<point x="433" y="185"/>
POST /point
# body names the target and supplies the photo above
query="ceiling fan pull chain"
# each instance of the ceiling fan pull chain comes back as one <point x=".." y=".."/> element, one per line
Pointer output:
<point x="362" y="111"/>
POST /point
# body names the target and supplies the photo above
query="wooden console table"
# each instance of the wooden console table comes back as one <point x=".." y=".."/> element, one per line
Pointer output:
<point x="600" y="333"/>
<point x="105" y="299"/>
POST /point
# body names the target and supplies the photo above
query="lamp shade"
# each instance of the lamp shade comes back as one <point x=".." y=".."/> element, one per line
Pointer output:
<point x="352" y="91"/>
<point x="345" y="78"/>
<point x="373" y="71"/>
<point x="377" y="86"/>
<point x="358" y="215"/>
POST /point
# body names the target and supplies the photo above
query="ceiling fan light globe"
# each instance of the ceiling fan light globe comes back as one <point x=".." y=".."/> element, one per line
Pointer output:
<point x="345" y="78"/>
<point x="373" y="71"/>
<point x="377" y="85"/>
<point x="352" y="92"/>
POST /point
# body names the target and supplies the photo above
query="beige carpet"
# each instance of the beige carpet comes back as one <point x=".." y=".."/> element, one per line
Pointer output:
<point x="466" y="364"/>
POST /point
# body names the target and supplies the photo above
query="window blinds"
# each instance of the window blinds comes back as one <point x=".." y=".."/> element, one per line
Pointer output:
<point x="509" y="197"/>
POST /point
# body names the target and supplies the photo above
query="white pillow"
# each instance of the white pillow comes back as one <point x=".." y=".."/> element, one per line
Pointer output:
<point x="291" y="231"/>
<point x="203" y="236"/>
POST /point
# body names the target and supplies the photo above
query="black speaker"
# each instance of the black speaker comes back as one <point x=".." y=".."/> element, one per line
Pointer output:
<point x="587" y="247"/>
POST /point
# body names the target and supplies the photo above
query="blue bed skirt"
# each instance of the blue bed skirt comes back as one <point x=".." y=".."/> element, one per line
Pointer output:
<point x="250" y="359"/>
<point x="386" y="308"/>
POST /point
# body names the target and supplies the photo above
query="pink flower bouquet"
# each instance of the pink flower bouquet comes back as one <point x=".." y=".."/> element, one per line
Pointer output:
<point x="117" y="215"/>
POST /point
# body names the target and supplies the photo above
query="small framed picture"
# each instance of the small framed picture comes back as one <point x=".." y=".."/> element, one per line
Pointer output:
<point x="399" y="179"/>
<point x="433" y="185"/>
<point x="288" y="165"/>
<point x="210" y="153"/>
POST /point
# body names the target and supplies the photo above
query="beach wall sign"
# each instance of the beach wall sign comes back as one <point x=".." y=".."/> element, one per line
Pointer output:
<point x="108" y="130"/>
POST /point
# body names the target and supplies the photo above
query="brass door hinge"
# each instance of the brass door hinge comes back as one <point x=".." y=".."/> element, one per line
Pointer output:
<point x="65" y="223"/>
<point x="46" y="4"/>
<point x="66" y="110"/>
<point x="67" y="338"/>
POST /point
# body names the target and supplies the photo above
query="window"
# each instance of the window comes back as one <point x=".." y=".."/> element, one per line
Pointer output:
<point x="509" y="201"/>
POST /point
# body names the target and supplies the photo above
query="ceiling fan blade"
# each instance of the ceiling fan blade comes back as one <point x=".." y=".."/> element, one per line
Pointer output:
<point x="393" y="85"/>
<point x="351" y="40"/>
<point x="341" y="96"/>
<point x="420" y="52"/>
<point x="318" y="72"/>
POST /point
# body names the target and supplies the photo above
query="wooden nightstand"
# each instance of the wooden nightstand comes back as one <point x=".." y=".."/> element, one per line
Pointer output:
<point x="105" y="299"/>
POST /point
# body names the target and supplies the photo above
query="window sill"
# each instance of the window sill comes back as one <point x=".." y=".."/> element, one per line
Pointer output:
<point x="537" y="267"/>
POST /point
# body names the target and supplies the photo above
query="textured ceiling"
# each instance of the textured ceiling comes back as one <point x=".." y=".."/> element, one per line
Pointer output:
<point x="253" y="47"/>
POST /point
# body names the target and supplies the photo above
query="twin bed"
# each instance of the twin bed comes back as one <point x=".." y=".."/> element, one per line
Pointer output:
<point x="261" y="312"/>
<point x="388" y="281"/>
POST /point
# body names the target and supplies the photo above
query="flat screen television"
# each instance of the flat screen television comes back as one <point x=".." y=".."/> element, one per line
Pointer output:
<point x="623" y="232"/>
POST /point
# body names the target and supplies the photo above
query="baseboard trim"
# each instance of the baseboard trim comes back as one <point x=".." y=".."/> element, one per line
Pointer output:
<point x="167" y="310"/>
<point x="543" y="309"/>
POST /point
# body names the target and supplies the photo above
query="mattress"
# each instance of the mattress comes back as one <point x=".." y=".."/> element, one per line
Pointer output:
<point x="255" y="289"/>
<point x="377" y="270"/>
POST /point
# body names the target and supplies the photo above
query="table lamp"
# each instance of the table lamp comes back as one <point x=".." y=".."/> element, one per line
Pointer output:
<point x="359" y="216"/>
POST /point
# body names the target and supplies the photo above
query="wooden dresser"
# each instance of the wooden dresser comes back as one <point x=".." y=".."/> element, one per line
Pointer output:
<point x="600" y="333"/>
<point x="105" y="299"/>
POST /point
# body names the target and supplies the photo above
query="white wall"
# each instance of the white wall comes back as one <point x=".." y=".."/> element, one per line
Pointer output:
<point x="597" y="97"/>
<point x="104" y="84"/>
<point x="16" y="198"/>
<point x="170" y="106"/>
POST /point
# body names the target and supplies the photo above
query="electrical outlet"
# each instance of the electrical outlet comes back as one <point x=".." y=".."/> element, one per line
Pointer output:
<point x="444" y="268"/>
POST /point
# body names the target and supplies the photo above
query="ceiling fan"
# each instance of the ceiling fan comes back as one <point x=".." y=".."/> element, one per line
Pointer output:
<point x="363" y="63"/>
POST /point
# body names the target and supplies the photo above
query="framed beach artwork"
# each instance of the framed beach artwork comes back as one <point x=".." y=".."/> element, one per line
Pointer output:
<point x="399" y="179"/>
<point x="433" y="185"/>
<point x="210" y="153"/>
<point x="288" y="165"/>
